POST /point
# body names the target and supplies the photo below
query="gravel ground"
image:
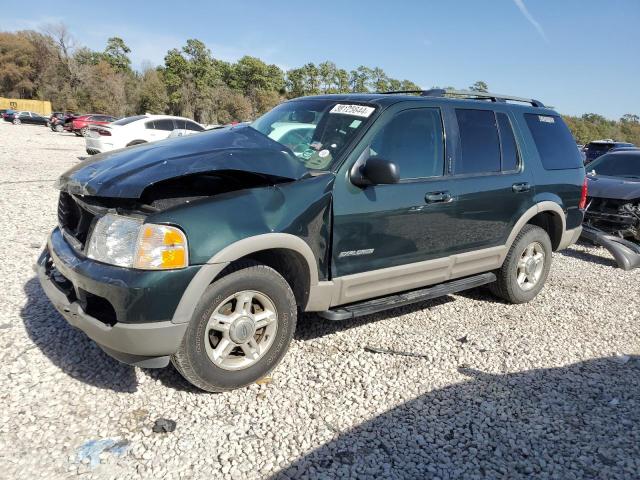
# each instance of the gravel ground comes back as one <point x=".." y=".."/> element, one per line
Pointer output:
<point x="550" y="389"/>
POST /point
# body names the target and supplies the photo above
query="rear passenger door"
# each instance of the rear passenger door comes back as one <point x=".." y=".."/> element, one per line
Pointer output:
<point x="159" y="129"/>
<point x="493" y="186"/>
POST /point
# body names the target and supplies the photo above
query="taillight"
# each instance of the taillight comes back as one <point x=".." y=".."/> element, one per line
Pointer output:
<point x="583" y="195"/>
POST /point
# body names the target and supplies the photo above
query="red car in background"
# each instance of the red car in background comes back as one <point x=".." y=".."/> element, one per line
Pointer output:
<point x="80" y="125"/>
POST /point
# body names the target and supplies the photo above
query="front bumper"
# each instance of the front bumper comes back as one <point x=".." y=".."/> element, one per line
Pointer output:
<point x="132" y="333"/>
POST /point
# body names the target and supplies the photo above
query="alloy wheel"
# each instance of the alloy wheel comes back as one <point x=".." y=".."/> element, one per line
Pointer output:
<point x="530" y="266"/>
<point x="241" y="330"/>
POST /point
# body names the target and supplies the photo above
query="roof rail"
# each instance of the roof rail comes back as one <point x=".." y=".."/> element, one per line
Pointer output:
<point x="494" y="97"/>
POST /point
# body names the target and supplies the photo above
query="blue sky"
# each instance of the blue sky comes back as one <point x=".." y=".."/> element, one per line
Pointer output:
<point x="578" y="55"/>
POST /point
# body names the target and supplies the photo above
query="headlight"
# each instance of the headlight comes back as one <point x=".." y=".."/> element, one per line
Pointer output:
<point x="127" y="242"/>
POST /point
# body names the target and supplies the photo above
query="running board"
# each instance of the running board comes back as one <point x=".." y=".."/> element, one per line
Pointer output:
<point x="347" y="312"/>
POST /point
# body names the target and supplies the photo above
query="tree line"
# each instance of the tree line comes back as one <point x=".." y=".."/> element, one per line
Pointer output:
<point x="51" y="65"/>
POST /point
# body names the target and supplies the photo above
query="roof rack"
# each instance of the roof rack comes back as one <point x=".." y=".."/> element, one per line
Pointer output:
<point x="494" y="97"/>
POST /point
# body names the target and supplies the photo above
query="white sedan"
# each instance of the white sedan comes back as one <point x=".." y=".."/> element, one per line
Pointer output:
<point x="136" y="130"/>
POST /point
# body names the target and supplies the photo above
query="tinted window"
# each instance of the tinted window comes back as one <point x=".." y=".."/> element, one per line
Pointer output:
<point x="193" y="126"/>
<point x="413" y="141"/>
<point x="150" y="125"/>
<point x="128" y="120"/>
<point x="165" y="124"/>
<point x="556" y="146"/>
<point x="508" y="143"/>
<point x="600" y="148"/>
<point x="624" y="164"/>
<point x="480" y="145"/>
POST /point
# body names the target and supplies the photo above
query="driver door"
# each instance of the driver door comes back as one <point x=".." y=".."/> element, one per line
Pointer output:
<point x="382" y="226"/>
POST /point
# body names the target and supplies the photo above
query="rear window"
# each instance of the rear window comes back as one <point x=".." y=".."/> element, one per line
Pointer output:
<point x="128" y="120"/>
<point x="554" y="142"/>
<point x="479" y="142"/>
<point x="600" y="147"/>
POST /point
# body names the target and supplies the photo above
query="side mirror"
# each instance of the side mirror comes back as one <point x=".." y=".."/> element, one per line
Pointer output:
<point x="377" y="171"/>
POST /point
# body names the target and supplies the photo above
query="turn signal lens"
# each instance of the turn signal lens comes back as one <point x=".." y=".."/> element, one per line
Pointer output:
<point x="161" y="247"/>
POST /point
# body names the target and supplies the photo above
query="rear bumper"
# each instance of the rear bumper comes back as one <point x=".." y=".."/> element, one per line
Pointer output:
<point x="97" y="145"/>
<point x="145" y="344"/>
<point x="625" y="253"/>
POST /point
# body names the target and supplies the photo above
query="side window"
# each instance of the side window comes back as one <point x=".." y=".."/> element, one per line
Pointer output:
<point x="165" y="124"/>
<point x="150" y="125"/>
<point x="193" y="126"/>
<point x="508" y="143"/>
<point x="480" y="145"/>
<point x="554" y="142"/>
<point x="413" y="140"/>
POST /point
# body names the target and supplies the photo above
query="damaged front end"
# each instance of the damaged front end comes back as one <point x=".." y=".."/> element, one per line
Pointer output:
<point x="615" y="225"/>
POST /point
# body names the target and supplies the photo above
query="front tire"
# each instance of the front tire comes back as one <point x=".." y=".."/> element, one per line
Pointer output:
<point x="240" y="330"/>
<point x="59" y="128"/>
<point x="526" y="267"/>
<point x="84" y="131"/>
<point x="16" y="121"/>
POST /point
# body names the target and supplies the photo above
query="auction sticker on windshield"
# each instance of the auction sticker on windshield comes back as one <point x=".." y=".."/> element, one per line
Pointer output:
<point x="355" y="110"/>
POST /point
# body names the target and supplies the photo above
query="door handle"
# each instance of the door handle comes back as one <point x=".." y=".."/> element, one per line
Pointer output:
<point x="521" y="187"/>
<point x="438" y="197"/>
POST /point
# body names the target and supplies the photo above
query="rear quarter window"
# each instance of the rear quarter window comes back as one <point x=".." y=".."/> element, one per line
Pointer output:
<point x="554" y="142"/>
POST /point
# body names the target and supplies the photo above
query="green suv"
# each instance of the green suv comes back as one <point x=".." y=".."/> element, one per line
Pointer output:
<point x="203" y="250"/>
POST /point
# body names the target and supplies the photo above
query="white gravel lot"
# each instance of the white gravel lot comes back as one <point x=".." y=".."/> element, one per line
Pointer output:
<point x="549" y="389"/>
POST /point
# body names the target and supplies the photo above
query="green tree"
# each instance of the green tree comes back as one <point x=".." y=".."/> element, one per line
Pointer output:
<point x="479" y="86"/>
<point x="116" y="54"/>
<point x="295" y="83"/>
<point x="153" y="93"/>
<point x="327" y="72"/>
<point x="359" y="79"/>
<point x="251" y="73"/>
<point x="378" y="80"/>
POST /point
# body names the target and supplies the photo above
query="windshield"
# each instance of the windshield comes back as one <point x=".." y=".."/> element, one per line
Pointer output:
<point x="316" y="131"/>
<point x="617" y="165"/>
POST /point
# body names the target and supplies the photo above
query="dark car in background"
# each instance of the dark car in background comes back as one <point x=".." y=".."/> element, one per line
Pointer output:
<point x="202" y="249"/>
<point x="598" y="148"/>
<point x="612" y="216"/>
<point x="58" y="120"/>
<point x="7" y="115"/>
<point x="32" y="118"/>
<point x="80" y="124"/>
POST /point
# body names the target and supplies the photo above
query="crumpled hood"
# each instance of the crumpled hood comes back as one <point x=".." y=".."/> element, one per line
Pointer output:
<point x="613" y="187"/>
<point x="126" y="173"/>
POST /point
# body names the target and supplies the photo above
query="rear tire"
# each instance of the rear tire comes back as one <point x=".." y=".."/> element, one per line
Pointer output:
<point x="84" y="131"/>
<point x="526" y="267"/>
<point x="59" y="128"/>
<point x="16" y="121"/>
<point x="240" y="330"/>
